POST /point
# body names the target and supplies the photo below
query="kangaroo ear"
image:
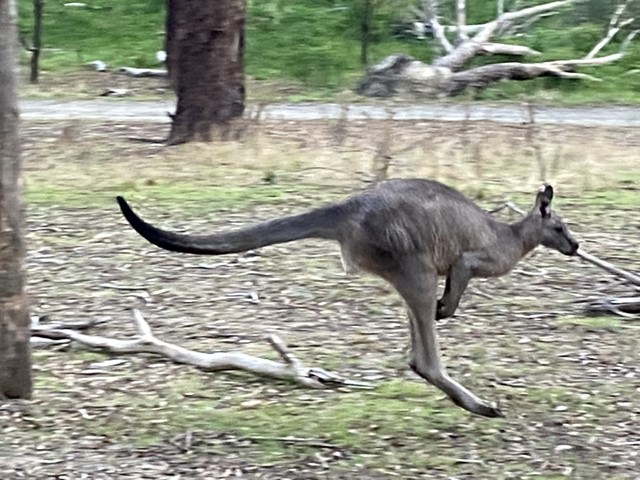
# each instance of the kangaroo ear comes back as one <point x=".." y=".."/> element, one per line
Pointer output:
<point x="543" y="200"/>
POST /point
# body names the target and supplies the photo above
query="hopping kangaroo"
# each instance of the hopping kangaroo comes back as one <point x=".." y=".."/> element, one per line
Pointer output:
<point x="407" y="231"/>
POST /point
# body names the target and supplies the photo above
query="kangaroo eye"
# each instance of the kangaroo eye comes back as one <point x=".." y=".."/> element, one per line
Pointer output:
<point x="558" y="229"/>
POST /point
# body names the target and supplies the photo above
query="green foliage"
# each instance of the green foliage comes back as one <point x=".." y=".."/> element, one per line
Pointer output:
<point x="124" y="32"/>
<point x="318" y="43"/>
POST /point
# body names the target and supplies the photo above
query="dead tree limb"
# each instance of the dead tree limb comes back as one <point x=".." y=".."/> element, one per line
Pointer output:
<point x="491" y="48"/>
<point x="143" y="72"/>
<point x="615" y="25"/>
<point x="290" y="369"/>
<point x="481" y="77"/>
<point x="461" y="21"/>
<point x="446" y="75"/>
<point x="592" y="259"/>
<point x="627" y="307"/>
<point x="469" y="49"/>
<point x="431" y="14"/>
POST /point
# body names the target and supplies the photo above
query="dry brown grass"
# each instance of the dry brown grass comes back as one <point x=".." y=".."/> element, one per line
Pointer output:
<point x="480" y="158"/>
<point x="567" y="383"/>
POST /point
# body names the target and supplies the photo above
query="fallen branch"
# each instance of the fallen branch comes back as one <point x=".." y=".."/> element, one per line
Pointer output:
<point x="628" y="307"/>
<point x="461" y="21"/>
<point x="628" y="276"/>
<point x="481" y="77"/>
<point x="446" y="75"/>
<point x="469" y="49"/>
<point x="506" y="49"/>
<point x="143" y="72"/>
<point x="431" y="14"/>
<point x="306" y="442"/>
<point x="185" y="441"/>
<point x="292" y="369"/>
<point x="615" y="25"/>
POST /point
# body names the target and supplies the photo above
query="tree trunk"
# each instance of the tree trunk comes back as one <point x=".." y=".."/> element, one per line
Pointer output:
<point x="205" y="49"/>
<point x="170" y="43"/>
<point x="365" y="31"/>
<point x="37" y="40"/>
<point x="15" y="354"/>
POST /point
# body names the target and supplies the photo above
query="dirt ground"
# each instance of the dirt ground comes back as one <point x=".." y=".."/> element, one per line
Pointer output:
<point x="569" y="384"/>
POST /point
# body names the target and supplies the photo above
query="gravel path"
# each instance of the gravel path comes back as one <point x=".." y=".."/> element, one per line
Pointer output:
<point x="156" y="111"/>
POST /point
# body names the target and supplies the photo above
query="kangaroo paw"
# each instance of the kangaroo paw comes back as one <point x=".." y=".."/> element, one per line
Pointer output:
<point x="442" y="311"/>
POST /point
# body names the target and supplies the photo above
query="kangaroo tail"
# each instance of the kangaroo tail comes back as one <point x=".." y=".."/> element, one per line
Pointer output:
<point x="323" y="223"/>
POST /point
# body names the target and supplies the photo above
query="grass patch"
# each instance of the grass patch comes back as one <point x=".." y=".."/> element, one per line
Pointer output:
<point x="190" y="197"/>
<point x="600" y="322"/>
<point x="614" y="197"/>
<point x="572" y="387"/>
<point x="395" y="413"/>
<point x="278" y="158"/>
<point x="295" y="59"/>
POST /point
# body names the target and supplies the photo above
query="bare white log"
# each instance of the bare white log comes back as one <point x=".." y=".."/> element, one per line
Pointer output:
<point x="458" y="57"/>
<point x="628" y="40"/>
<point x="430" y="8"/>
<point x="445" y="76"/>
<point x="290" y="369"/>
<point x="467" y="29"/>
<point x="461" y="21"/>
<point x="400" y="73"/>
<point x="588" y="62"/>
<point x="510" y="29"/>
<point x="506" y="49"/>
<point x="143" y="72"/>
<point x="116" y="92"/>
<point x="481" y="77"/>
<point x="615" y="25"/>
<point x="508" y="206"/>
<point x="610" y="34"/>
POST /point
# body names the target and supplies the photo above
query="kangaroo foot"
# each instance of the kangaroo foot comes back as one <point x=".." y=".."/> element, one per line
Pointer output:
<point x="460" y="395"/>
<point x="480" y="408"/>
<point x="488" y="411"/>
<point x="440" y="310"/>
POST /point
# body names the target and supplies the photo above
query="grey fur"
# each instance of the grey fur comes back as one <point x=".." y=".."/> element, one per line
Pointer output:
<point x="409" y="232"/>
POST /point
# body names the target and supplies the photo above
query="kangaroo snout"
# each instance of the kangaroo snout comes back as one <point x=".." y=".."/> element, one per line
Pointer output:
<point x="574" y="248"/>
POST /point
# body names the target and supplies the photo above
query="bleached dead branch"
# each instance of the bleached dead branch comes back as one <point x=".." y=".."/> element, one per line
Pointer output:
<point x="289" y="369"/>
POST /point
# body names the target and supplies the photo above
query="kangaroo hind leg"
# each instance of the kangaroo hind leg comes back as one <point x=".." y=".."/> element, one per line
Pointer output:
<point x="417" y="284"/>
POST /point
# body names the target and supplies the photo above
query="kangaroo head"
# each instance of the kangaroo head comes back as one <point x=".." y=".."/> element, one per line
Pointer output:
<point x="555" y="233"/>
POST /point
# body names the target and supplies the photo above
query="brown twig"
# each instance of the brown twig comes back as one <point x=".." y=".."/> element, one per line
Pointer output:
<point x="307" y="442"/>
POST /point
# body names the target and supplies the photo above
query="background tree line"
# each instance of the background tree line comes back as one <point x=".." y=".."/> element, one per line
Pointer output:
<point x="322" y="44"/>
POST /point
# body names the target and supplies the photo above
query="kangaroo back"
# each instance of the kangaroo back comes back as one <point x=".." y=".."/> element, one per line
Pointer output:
<point x="324" y="222"/>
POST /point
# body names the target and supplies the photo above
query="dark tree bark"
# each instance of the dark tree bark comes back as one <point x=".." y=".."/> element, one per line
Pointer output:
<point x="38" y="6"/>
<point x="15" y="353"/>
<point x="205" y="49"/>
<point x="365" y="32"/>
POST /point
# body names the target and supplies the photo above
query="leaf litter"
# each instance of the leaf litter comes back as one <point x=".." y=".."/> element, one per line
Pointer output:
<point x="570" y="387"/>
